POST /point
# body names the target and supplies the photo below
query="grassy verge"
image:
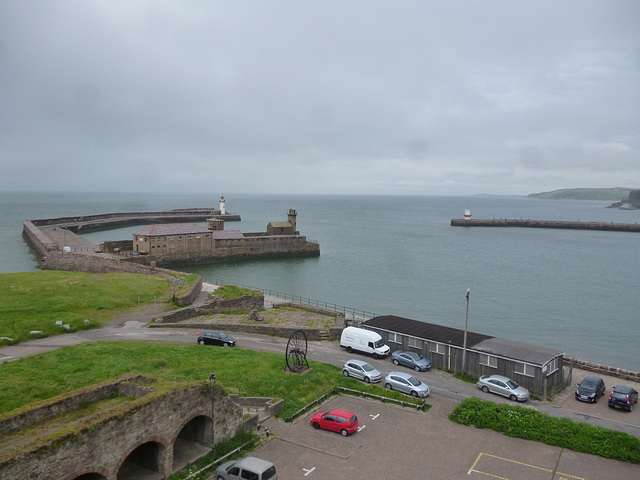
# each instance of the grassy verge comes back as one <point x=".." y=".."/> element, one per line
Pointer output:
<point x="245" y="372"/>
<point x="530" y="424"/>
<point x="228" y="292"/>
<point x="46" y="301"/>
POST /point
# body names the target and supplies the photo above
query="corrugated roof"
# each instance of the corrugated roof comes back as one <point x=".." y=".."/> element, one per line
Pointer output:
<point x="430" y="331"/>
<point x="172" y="229"/>
<point x="485" y="343"/>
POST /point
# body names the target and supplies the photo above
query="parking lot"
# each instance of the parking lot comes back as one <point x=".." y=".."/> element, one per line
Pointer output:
<point x="399" y="442"/>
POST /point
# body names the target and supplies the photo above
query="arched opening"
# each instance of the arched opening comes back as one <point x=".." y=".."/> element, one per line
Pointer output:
<point x="144" y="462"/>
<point x="193" y="442"/>
<point x="91" y="476"/>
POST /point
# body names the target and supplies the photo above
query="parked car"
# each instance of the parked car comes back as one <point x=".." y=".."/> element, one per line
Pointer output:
<point x="361" y="370"/>
<point x="503" y="386"/>
<point x="411" y="359"/>
<point x="406" y="383"/>
<point x="623" y="397"/>
<point x="337" y="421"/>
<point x="214" y="337"/>
<point x="590" y="389"/>
<point x="248" y="467"/>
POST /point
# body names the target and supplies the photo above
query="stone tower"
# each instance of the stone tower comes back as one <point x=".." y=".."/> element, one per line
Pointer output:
<point x="292" y="219"/>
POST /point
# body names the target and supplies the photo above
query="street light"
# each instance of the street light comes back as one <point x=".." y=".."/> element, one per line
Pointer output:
<point x="212" y="382"/>
<point x="464" y="347"/>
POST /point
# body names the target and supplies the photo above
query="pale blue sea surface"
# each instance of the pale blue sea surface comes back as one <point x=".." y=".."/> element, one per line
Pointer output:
<point x="575" y="291"/>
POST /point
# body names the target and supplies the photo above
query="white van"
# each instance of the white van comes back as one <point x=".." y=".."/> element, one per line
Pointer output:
<point x="365" y="341"/>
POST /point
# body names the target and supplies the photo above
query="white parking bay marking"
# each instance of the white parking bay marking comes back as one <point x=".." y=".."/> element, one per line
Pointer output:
<point x="308" y="470"/>
<point x="373" y="417"/>
<point x="361" y="427"/>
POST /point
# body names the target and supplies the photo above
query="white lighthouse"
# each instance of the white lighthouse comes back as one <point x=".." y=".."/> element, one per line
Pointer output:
<point x="222" y="211"/>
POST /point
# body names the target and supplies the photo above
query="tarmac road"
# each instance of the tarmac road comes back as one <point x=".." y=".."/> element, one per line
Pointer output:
<point x="441" y="384"/>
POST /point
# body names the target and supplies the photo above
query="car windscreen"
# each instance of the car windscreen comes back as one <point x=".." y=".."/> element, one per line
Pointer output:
<point x="367" y="367"/>
<point x="353" y="419"/>
<point x="378" y="344"/>
<point x="415" y="356"/>
<point x="269" y="473"/>
<point x="619" y="396"/>
<point x="414" y="381"/>
<point x="512" y="385"/>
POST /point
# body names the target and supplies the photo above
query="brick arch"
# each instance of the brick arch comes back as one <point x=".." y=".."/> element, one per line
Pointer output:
<point x="90" y="473"/>
<point x="143" y="453"/>
<point x="200" y="412"/>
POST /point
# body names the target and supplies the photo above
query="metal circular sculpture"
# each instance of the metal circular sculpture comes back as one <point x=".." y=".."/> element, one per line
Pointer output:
<point x="297" y="352"/>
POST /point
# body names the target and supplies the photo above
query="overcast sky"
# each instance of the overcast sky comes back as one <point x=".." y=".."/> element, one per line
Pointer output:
<point x="395" y="97"/>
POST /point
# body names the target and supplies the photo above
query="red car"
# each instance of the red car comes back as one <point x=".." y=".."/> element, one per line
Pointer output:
<point x="337" y="421"/>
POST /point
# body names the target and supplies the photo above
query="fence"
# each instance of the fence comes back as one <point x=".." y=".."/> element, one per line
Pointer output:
<point x="356" y="315"/>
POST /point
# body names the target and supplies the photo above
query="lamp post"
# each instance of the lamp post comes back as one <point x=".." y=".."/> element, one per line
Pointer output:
<point x="212" y="382"/>
<point x="464" y="348"/>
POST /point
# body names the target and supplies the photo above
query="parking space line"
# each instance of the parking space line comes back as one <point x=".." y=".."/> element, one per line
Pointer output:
<point x="473" y="468"/>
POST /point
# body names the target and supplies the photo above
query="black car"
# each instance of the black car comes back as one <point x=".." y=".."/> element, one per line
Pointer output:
<point x="623" y="397"/>
<point x="590" y="389"/>
<point x="214" y="337"/>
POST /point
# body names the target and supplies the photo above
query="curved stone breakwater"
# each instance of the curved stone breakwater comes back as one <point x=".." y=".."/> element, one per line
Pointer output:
<point x="506" y="222"/>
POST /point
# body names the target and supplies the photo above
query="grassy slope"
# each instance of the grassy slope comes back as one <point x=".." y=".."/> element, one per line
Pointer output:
<point x="241" y="371"/>
<point x="36" y="300"/>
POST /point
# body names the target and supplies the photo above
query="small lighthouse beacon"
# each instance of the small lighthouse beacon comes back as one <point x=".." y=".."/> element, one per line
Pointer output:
<point x="222" y="211"/>
<point x="467" y="214"/>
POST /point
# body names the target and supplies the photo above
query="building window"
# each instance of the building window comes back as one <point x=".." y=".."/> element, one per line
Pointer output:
<point x="488" y="360"/>
<point x="197" y="236"/>
<point x="525" y="369"/>
<point x="189" y="237"/>
<point x="179" y="237"/>
<point x="207" y="236"/>
<point x="395" y="338"/>
<point x="436" y="348"/>
<point x="415" y="342"/>
<point x="552" y="366"/>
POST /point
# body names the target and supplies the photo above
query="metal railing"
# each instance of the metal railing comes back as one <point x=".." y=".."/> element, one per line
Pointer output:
<point x="353" y="314"/>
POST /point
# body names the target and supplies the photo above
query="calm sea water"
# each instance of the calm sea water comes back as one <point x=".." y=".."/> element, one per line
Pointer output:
<point x="571" y="290"/>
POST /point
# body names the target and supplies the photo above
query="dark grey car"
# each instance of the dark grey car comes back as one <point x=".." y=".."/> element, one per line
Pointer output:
<point x="590" y="389"/>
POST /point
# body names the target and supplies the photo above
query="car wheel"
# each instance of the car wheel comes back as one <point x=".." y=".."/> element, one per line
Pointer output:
<point x="220" y="477"/>
<point x="225" y="344"/>
<point x="349" y="349"/>
<point x="630" y="406"/>
<point x="367" y="380"/>
<point x="395" y="362"/>
<point x="485" y="389"/>
<point x="316" y="425"/>
<point x="414" y="393"/>
<point x="388" y="386"/>
<point x="345" y="373"/>
<point x="343" y="432"/>
<point x="595" y="399"/>
<point x="201" y="342"/>
<point x="376" y="356"/>
<point x="513" y="398"/>
<point x="416" y="368"/>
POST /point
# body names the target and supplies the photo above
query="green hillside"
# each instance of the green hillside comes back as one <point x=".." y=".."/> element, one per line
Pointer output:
<point x="616" y="194"/>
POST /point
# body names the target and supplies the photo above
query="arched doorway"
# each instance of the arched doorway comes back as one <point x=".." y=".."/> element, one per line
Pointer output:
<point x="144" y="462"/>
<point x="193" y="442"/>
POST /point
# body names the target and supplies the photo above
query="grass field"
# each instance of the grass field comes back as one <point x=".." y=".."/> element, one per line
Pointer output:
<point x="47" y="300"/>
<point x="245" y="372"/>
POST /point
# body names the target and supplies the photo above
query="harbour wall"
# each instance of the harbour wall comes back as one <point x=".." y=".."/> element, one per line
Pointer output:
<point x="506" y="222"/>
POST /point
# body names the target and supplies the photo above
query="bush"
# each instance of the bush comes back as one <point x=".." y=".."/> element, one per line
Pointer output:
<point x="530" y="424"/>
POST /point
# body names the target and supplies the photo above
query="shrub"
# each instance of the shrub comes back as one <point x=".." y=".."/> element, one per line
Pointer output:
<point x="530" y="424"/>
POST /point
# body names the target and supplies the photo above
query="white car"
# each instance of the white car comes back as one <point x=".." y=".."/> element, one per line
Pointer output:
<point x="503" y="386"/>
<point x="361" y="370"/>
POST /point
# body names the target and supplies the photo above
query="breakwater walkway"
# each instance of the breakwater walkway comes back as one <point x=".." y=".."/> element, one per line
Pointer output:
<point x="506" y="222"/>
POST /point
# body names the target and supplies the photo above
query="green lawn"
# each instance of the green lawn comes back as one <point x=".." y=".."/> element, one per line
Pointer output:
<point x="245" y="372"/>
<point x="36" y="301"/>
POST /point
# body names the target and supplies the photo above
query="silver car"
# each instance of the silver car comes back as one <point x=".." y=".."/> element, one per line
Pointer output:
<point x="503" y="386"/>
<point x="361" y="370"/>
<point x="406" y="383"/>
<point x="247" y="467"/>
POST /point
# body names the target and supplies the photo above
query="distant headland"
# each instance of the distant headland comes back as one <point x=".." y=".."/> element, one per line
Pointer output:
<point x="624" y="198"/>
